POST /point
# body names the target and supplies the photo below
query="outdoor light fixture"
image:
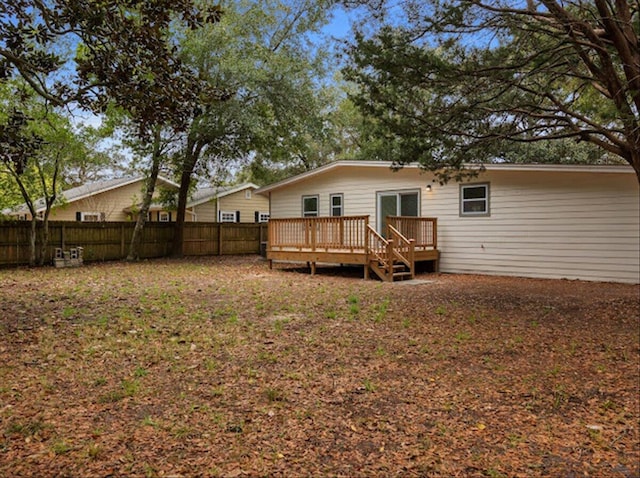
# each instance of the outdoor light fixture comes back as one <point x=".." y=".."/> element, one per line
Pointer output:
<point x="428" y="188"/>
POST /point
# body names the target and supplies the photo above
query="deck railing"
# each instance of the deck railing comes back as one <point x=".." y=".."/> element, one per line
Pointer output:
<point x="422" y="229"/>
<point x="345" y="238"/>
<point x="319" y="233"/>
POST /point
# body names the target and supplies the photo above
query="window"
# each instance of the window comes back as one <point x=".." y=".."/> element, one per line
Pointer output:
<point x="91" y="217"/>
<point x="474" y="199"/>
<point x="227" y="216"/>
<point x="336" y="204"/>
<point x="310" y="206"/>
<point x="247" y="194"/>
<point x="263" y="217"/>
<point x="22" y="217"/>
<point x="164" y="216"/>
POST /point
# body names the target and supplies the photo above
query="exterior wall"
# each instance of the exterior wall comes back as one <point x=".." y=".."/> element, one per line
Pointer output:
<point x="111" y="203"/>
<point x="205" y="212"/>
<point x="359" y="187"/>
<point x="558" y="224"/>
<point x="247" y="207"/>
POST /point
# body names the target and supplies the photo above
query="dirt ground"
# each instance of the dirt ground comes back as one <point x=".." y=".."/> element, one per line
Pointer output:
<point x="222" y="367"/>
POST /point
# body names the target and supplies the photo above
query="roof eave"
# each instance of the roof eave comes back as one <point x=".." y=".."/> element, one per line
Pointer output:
<point x="265" y="190"/>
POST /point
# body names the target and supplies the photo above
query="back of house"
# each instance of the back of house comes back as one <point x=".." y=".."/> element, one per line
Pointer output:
<point x="546" y="221"/>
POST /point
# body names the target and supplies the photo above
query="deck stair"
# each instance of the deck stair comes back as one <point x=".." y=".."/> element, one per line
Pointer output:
<point x="402" y="272"/>
<point x="391" y="259"/>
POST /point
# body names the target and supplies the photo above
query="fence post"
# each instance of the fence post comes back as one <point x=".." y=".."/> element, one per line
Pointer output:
<point x="122" y="240"/>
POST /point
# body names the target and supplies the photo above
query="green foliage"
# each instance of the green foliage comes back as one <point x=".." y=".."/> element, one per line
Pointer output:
<point x="460" y="82"/>
<point x="94" y="53"/>
<point x="271" y="106"/>
<point x="66" y="155"/>
<point x="260" y="65"/>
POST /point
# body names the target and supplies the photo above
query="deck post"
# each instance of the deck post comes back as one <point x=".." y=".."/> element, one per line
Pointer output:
<point x="390" y="259"/>
<point x="313" y="268"/>
<point x="434" y="228"/>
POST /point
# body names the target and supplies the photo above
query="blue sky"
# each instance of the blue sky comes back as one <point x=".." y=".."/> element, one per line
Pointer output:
<point x="340" y="25"/>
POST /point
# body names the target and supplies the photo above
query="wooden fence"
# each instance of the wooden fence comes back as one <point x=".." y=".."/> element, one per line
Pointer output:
<point x="104" y="241"/>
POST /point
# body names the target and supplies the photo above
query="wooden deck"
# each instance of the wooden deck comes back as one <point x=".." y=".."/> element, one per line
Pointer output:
<point x="351" y="240"/>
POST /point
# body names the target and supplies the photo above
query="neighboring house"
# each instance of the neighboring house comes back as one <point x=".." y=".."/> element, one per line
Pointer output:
<point x="228" y="204"/>
<point x="111" y="200"/>
<point x="119" y="199"/>
<point x="547" y="221"/>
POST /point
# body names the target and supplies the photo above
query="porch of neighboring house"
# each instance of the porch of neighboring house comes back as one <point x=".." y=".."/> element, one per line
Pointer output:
<point x="352" y="240"/>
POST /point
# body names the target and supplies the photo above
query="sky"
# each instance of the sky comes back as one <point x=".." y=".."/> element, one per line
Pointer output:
<point x="340" y="25"/>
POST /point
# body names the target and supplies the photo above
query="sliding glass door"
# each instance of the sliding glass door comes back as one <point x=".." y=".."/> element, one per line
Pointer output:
<point x="396" y="203"/>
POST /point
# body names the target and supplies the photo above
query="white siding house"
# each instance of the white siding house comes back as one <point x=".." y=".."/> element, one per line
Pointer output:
<point x="547" y="221"/>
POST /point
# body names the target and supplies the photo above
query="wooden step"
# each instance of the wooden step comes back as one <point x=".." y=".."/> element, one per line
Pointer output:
<point x="401" y="275"/>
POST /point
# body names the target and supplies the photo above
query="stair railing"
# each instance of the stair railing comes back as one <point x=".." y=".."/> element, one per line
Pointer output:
<point x="403" y="250"/>
<point x="378" y="245"/>
<point x="380" y="253"/>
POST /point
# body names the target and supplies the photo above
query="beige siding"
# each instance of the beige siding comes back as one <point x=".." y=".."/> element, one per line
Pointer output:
<point x="111" y="203"/>
<point x="206" y="212"/>
<point x="574" y="225"/>
<point x="247" y="207"/>
<point x="560" y="225"/>
<point x="359" y="187"/>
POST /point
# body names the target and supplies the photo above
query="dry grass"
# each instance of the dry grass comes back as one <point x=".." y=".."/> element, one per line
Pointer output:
<point x="221" y="367"/>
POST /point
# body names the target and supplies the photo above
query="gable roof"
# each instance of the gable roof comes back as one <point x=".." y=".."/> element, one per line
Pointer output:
<point x="489" y="167"/>
<point x="203" y="195"/>
<point x="85" y="191"/>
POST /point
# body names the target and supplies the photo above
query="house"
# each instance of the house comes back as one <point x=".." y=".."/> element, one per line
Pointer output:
<point x="111" y="200"/>
<point x="228" y="204"/>
<point x="119" y="199"/>
<point x="546" y="221"/>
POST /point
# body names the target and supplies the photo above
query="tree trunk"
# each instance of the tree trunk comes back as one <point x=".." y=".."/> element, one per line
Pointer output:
<point x="634" y="160"/>
<point x="188" y="165"/>
<point x="136" y="239"/>
<point x="44" y="238"/>
<point x="32" y="240"/>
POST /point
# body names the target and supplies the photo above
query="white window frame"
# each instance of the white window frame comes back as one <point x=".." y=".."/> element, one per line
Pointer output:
<point x="88" y="214"/>
<point x="228" y="216"/>
<point x="263" y="216"/>
<point x="164" y="216"/>
<point x="247" y="194"/>
<point x="340" y="207"/>
<point x="463" y="202"/>
<point x="311" y="213"/>
<point x="22" y="217"/>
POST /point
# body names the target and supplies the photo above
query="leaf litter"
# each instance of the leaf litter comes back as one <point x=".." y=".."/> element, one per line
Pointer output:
<point x="222" y="367"/>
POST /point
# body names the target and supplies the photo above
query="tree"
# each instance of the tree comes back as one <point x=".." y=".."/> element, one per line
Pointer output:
<point x="125" y="56"/>
<point x="262" y="68"/>
<point x="342" y="138"/>
<point x="461" y="81"/>
<point x="149" y="188"/>
<point x="124" y="53"/>
<point x="36" y="146"/>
